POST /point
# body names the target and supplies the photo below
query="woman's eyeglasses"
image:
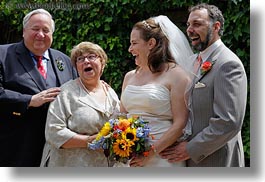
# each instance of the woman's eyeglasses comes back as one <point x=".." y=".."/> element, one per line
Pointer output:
<point x="90" y="57"/>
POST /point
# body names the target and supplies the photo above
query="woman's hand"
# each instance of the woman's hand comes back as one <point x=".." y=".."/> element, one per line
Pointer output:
<point x="141" y="160"/>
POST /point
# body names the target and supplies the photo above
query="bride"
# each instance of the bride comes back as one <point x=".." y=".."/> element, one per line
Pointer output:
<point x="156" y="89"/>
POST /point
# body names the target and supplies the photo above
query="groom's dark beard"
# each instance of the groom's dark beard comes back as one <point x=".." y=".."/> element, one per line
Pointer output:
<point x="203" y="45"/>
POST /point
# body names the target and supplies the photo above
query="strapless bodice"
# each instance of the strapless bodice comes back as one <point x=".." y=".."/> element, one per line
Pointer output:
<point x="152" y="102"/>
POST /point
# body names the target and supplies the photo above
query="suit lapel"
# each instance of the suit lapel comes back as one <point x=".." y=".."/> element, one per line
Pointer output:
<point x="55" y="58"/>
<point x="88" y="100"/>
<point x="24" y="59"/>
<point x="203" y="74"/>
<point x="213" y="59"/>
<point x="59" y="65"/>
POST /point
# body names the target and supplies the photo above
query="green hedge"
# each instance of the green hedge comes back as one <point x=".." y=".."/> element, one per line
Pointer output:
<point x="109" y="22"/>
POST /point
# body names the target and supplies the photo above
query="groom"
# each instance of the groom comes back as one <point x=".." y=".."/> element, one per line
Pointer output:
<point x="218" y="97"/>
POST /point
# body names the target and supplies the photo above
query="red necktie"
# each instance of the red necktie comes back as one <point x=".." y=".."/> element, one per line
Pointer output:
<point x="41" y="66"/>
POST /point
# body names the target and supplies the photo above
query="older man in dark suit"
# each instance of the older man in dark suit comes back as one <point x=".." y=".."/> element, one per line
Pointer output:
<point x="30" y="75"/>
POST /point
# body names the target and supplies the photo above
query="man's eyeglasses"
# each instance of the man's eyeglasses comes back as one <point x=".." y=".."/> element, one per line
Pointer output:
<point x="90" y="57"/>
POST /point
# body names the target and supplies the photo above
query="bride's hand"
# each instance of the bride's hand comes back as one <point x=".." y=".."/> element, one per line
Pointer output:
<point x="141" y="160"/>
<point x="138" y="161"/>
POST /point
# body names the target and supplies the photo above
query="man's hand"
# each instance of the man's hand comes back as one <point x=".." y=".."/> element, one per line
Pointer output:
<point x="175" y="153"/>
<point x="44" y="96"/>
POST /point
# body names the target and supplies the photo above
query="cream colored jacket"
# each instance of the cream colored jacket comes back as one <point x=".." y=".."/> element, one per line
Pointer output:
<point x="75" y="111"/>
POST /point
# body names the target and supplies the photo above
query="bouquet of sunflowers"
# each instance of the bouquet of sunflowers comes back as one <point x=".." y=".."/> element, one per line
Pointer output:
<point x="122" y="138"/>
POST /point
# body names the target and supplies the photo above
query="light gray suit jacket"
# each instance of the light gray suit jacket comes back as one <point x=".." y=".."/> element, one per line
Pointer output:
<point x="217" y="107"/>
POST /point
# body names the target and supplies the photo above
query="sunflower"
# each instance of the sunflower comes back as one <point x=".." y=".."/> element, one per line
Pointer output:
<point x="130" y="134"/>
<point x="104" y="131"/>
<point x="122" y="147"/>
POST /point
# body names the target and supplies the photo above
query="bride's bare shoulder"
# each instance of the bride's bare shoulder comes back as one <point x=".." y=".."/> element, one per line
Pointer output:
<point x="178" y="73"/>
<point x="130" y="74"/>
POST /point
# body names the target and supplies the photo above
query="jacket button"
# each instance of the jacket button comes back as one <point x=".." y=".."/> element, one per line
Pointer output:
<point x="16" y="113"/>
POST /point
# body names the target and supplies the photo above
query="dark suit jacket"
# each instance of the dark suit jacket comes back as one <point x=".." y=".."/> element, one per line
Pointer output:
<point x="21" y="128"/>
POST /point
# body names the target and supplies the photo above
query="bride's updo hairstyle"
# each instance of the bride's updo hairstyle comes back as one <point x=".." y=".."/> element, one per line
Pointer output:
<point x="160" y="53"/>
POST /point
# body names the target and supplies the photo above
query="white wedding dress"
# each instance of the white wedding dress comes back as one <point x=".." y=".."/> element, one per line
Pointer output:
<point x="152" y="102"/>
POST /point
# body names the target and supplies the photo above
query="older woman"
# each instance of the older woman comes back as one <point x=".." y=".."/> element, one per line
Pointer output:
<point x="79" y="112"/>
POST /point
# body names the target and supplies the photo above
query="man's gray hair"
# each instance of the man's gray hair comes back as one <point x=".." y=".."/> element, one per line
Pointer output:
<point x="38" y="11"/>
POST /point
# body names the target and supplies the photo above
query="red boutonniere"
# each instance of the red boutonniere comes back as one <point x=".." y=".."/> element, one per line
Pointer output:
<point x="206" y="66"/>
